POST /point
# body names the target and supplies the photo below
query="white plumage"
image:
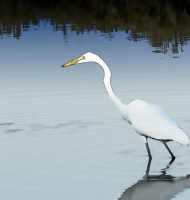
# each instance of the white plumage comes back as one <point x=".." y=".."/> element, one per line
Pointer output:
<point x="154" y="122"/>
<point x="150" y="121"/>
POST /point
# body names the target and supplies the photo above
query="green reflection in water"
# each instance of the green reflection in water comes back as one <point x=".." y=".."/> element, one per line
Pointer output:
<point x="164" y="23"/>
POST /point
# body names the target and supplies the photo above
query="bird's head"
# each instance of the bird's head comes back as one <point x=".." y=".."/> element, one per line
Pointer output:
<point x="87" y="57"/>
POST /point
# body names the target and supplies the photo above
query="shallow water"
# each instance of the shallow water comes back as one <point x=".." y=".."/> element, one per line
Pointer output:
<point x="61" y="136"/>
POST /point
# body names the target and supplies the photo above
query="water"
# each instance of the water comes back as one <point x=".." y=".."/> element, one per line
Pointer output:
<point x="60" y="135"/>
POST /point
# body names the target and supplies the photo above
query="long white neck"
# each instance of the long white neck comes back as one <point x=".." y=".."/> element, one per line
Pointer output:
<point x="107" y="82"/>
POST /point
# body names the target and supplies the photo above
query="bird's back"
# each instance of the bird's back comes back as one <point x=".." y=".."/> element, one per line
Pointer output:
<point x="154" y="122"/>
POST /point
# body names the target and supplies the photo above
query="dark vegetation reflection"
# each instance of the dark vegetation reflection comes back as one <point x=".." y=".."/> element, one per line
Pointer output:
<point x="164" y="23"/>
<point x="157" y="187"/>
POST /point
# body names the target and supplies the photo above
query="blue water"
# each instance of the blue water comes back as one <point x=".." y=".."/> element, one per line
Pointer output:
<point x="60" y="135"/>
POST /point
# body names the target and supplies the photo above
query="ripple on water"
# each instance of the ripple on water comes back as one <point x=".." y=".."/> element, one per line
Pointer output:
<point x="14" y="130"/>
<point x="6" y="124"/>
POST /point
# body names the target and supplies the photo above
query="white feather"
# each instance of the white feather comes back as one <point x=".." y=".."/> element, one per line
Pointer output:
<point x="148" y="120"/>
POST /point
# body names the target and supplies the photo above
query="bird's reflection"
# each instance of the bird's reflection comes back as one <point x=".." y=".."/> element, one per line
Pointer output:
<point x="156" y="187"/>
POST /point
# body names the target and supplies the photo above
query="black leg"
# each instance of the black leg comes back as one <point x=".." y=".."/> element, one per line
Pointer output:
<point x="173" y="157"/>
<point x="148" y="150"/>
<point x="148" y="165"/>
<point x="146" y="176"/>
<point x="168" y="165"/>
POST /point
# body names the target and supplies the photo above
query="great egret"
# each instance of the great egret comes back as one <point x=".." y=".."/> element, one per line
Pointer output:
<point x="149" y="121"/>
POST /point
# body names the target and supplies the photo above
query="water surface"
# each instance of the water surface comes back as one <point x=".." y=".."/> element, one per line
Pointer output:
<point x="60" y="135"/>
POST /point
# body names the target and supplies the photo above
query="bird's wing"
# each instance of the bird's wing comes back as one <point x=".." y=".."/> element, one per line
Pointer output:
<point x="154" y="122"/>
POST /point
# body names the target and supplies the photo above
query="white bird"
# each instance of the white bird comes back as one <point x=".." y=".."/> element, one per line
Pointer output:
<point x="149" y="121"/>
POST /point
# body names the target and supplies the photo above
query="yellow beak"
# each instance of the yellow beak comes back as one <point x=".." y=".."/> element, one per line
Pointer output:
<point x="73" y="62"/>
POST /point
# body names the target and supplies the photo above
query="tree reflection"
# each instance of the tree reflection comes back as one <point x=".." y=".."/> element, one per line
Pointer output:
<point x="157" y="187"/>
<point x="163" y="23"/>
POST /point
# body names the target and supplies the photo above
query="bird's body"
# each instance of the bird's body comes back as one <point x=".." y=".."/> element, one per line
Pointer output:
<point x="150" y="121"/>
<point x="153" y="122"/>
